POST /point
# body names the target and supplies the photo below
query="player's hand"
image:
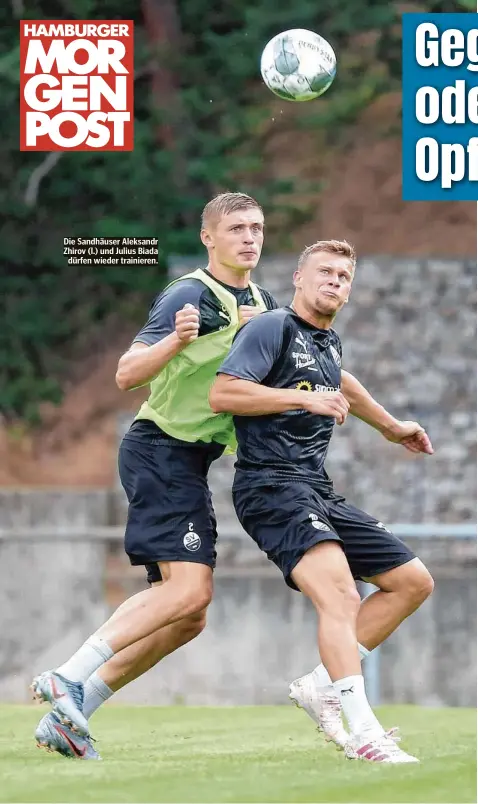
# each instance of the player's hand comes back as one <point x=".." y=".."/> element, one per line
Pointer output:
<point x="187" y="324"/>
<point x="327" y="403"/>
<point x="410" y="435"/>
<point x="246" y="312"/>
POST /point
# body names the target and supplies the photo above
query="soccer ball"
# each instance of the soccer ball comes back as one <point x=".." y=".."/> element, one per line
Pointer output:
<point x="298" y="65"/>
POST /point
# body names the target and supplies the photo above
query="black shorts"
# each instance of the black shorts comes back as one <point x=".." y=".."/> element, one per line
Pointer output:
<point x="170" y="513"/>
<point x="287" y="520"/>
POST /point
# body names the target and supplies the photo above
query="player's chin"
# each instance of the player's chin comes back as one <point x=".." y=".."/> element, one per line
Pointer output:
<point x="247" y="261"/>
<point x="327" y="306"/>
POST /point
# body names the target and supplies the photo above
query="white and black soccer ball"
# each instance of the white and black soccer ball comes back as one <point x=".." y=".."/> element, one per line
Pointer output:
<point x="298" y="65"/>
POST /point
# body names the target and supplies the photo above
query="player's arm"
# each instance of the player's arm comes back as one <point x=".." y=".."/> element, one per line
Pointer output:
<point x="142" y="363"/>
<point x="167" y="332"/>
<point x="240" y="397"/>
<point x="362" y="405"/>
<point x="238" y="389"/>
<point x="365" y="407"/>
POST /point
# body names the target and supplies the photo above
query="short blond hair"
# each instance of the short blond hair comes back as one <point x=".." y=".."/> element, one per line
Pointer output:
<point x="341" y="247"/>
<point x="224" y="204"/>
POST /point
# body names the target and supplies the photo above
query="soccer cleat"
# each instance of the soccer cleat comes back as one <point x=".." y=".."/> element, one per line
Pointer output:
<point x="381" y="748"/>
<point x="56" y="737"/>
<point x="323" y="706"/>
<point x="394" y="734"/>
<point x="66" y="698"/>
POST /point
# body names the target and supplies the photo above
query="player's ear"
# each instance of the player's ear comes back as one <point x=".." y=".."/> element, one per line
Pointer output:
<point x="206" y="239"/>
<point x="297" y="279"/>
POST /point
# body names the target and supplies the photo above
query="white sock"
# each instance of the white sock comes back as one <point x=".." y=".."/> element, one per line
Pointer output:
<point x="321" y="676"/>
<point x="96" y="693"/>
<point x="355" y="706"/>
<point x="92" y="654"/>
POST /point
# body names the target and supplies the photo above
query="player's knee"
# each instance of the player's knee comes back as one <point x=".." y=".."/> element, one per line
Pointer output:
<point x="350" y="600"/>
<point x="195" y="598"/>
<point x="194" y="624"/>
<point x="341" y="603"/>
<point x="418" y="584"/>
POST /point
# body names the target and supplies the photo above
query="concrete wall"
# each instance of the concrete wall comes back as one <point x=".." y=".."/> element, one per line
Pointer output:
<point x="59" y="585"/>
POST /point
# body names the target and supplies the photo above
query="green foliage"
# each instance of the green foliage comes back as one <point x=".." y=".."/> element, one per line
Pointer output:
<point x="220" y="117"/>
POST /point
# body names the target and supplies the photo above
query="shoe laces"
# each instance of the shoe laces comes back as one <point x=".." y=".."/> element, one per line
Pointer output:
<point x="394" y="734"/>
<point x="388" y="744"/>
<point x="332" y="702"/>
<point x="332" y="711"/>
<point x="75" y="690"/>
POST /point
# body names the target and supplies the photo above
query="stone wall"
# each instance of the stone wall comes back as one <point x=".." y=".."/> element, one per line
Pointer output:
<point x="409" y="335"/>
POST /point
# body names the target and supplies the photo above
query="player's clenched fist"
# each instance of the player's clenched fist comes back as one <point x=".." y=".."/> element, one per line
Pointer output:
<point x="187" y="323"/>
<point x="246" y="312"/>
<point x="327" y="403"/>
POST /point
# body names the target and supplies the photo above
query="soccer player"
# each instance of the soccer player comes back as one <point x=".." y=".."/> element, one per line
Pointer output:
<point x="164" y="461"/>
<point x="282" y="369"/>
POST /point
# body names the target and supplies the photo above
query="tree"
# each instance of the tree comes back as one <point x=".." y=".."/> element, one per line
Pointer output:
<point x="202" y="124"/>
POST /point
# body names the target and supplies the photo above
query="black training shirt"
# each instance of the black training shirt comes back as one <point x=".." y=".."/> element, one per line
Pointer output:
<point x="281" y="350"/>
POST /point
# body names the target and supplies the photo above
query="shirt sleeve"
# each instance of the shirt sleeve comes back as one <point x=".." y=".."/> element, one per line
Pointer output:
<point x="162" y="316"/>
<point x="256" y="348"/>
<point x="268" y="299"/>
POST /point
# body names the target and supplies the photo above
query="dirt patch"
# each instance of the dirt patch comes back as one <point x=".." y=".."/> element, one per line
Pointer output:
<point x="77" y="445"/>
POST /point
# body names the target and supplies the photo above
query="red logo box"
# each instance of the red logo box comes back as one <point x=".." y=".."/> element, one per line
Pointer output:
<point x="76" y="85"/>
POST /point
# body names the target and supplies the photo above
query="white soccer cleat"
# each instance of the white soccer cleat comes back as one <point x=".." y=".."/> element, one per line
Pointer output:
<point x="381" y="748"/>
<point x="323" y="706"/>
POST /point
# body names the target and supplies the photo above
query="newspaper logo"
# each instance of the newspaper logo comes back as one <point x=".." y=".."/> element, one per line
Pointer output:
<point x="76" y="85"/>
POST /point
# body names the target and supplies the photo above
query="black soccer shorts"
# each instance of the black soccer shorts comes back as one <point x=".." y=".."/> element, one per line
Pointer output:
<point x="170" y="513"/>
<point x="286" y="520"/>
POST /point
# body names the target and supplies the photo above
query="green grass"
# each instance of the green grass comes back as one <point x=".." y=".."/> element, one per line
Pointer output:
<point x="241" y="754"/>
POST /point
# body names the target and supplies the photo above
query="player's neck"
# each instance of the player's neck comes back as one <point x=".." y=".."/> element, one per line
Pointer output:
<point x="315" y="319"/>
<point x="236" y="279"/>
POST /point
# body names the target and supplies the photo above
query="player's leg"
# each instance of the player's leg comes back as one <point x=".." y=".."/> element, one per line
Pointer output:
<point x="188" y="592"/>
<point x="401" y="591"/>
<point x="119" y="671"/>
<point x="323" y="575"/>
<point x="169" y="498"/>
<point x="126" y="667"/>
<point x="287" y="523"/>
<point x="134" y="661"/>
<point x="378" y="556"/>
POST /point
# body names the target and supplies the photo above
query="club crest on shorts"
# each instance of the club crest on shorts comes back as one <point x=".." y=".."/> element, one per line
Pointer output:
<point x="316" y="523"/>
<point x="336" y="356"/>
<point x="191" y="540"/>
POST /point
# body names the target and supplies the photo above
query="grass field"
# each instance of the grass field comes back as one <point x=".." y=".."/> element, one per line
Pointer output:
<point x="242" y="754"/>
